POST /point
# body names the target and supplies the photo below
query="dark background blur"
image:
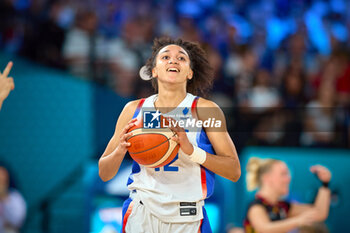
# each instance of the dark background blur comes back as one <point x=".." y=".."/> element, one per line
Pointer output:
<point x="282" y="77"/>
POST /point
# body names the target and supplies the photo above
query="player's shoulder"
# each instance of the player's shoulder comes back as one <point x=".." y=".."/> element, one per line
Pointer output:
<point x="132" y="103"/>
<point x="208" y="109"/>
<point x="202" y="102"/>
<point x="131" y="106"/>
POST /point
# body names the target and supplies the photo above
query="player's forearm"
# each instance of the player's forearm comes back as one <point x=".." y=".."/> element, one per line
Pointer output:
<point x="322" y="203"/>
<point x="109" y="165"/>
<point x="281" y="226"/>
<point x="225" y="166"/>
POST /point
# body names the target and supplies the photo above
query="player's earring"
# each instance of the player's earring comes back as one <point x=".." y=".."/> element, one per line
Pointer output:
<point x="144" y="74"/>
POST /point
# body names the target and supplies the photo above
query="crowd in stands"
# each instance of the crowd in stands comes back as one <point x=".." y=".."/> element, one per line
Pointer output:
<point x="282" y="68"/>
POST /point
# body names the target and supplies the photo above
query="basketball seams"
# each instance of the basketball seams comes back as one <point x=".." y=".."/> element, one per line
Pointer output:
<point x="167" y="139"/>
<point x="165" y="156"/>
<point x="167" y="133"/>
<point x="161" y="160"/>
<point x="163" y="132"/>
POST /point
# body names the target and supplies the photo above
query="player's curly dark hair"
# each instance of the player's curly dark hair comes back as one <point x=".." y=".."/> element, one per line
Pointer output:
<point x="202" y="78"/>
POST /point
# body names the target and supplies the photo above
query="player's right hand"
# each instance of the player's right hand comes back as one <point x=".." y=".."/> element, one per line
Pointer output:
<point x="124" y="135"/>
<point x="322" y="173"/>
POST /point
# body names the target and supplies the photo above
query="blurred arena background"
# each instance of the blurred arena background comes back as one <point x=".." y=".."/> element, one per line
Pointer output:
<point x="282" y="77"/>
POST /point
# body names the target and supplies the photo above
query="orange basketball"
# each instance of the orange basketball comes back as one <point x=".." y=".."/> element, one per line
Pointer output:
<point x="152" y="147"/>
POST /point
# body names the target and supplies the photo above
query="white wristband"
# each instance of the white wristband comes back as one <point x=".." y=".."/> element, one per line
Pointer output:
<point x="198" y="155"/>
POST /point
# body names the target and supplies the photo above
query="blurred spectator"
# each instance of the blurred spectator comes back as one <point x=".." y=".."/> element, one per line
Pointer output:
<point x="294" y="98"/>
<point x="268" y="130"/>
<point x="124" y="81"/>
<point x="241" y="67"/>
<point x="295" y="56"/>
<point x="333" y="79"/>
<point x="262" y="96"/>
<point x="293" y="88"/>
<point x="320" y="121"/>
<point x="126" y="55"/>
<point x="343" y="78"/>
<point x="188" y="29"/>
<point x="84" y="49"/>
<point x="11" y="30"/>
<point x="220" y="84"/>
<point x="259" y="111"/>
<point x="12" y="204"/>
<point x="110" y="17"/>
<point x="45" y="41"/>
<point x="263" y="102"/>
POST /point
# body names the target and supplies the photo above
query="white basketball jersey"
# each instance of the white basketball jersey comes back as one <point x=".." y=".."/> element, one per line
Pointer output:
<point x="175" y="192"/>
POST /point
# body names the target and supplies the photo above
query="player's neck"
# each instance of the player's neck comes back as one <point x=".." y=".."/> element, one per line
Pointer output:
<point x="269" y="195"/>
<point x="170" y="99"/>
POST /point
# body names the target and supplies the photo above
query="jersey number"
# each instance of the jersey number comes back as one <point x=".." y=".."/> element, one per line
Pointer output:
<point x="168" y="167"/>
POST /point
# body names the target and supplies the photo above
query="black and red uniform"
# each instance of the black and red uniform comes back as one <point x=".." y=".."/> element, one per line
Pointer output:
<point x="278" y="211"/>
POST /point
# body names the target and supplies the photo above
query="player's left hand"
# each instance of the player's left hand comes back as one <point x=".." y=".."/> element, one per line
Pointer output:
<point x="181" y="137"/>
<point x="322" y="173"/>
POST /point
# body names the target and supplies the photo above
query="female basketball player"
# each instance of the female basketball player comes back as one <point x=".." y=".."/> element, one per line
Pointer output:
<point x="171" y="198"/>
<point x="6" y="84"/>
<point x="268" y="213"/>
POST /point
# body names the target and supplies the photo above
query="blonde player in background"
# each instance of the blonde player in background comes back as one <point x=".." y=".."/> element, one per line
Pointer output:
<point x="268" y="212"/>
<point x="6" y="84"/>
<point x="170" y="199"/>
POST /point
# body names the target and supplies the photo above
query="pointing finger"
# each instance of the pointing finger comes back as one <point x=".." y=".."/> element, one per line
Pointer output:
<point x="7" y="69"/>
